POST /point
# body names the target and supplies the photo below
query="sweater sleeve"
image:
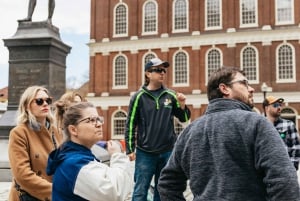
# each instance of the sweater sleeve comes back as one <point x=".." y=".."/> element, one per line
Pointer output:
<point x="97" y="181"/>
<point x="173" y="181"/>
<point x="271" y="158"/>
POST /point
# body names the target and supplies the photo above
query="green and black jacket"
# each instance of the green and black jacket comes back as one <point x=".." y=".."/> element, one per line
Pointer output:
<point x="150" y="125"/>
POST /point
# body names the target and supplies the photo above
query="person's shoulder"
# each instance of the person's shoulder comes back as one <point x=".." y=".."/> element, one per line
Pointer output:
<point x="20" y="127"/>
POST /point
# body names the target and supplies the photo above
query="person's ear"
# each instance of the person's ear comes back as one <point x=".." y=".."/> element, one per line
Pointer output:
<point x="224" y="89"/>
<point x="72" y="130"/>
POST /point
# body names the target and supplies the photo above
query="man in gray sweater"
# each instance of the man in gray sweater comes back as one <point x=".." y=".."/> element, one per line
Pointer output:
<point x="230" y="153"/>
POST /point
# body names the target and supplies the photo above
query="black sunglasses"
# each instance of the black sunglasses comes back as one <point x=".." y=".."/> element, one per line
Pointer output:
<point x="40" y="101"/>
<point x="157" y="70"/>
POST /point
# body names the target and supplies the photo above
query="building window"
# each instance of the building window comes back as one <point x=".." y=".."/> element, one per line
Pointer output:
<point x="213" y="14"/>
<point x="284" y="12"/>
<point x="178" y="126"/>
<point x="250" y="63"/>
<point x="213" y="61"/>
<point x="118" y="125"/>
<point x="147" y="58"/>
<point x="120" y="20"/>
<point x="180" y="15"/>
<point x="248" y="13"/>
<point x="288" y="113"/>
<point x="285" y="63"/>
<point x="120" y="72"/>
<point x="150" y="17"/>
<point x="180" y="77"/>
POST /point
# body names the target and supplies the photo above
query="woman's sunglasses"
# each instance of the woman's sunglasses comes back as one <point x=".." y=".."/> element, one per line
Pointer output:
<point x="40" y="101"/>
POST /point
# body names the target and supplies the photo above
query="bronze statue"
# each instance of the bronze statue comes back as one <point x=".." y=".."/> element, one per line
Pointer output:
<point x="31" y="7"/>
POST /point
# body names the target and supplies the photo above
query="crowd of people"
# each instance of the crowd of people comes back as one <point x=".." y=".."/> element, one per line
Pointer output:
<point x="218" y="155"/>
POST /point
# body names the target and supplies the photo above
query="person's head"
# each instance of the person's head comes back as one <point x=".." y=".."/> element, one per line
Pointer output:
<point x="230" y="82"/>
<point x="63" y="103"/>
<point x="155" y="70"/>
<point x="272" y="106"/>
<point x="82" y="124"/>
<point x="34" y="107"/>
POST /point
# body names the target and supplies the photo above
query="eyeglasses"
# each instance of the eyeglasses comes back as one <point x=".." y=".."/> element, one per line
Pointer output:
<point x="93" y="120"/>
<point x="244" y="82"/>
<point x="277" y="105"/>
<point x="157" y="70"/>
<point x="40" y="101"/>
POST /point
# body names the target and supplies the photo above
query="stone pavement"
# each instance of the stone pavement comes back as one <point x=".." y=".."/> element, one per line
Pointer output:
<point x="5" y="186"/>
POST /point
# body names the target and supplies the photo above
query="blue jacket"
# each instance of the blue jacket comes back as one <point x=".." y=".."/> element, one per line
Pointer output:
<point x="153" y="118"/>
<point x="230" y="154"/>
<point x="78" y="176"/>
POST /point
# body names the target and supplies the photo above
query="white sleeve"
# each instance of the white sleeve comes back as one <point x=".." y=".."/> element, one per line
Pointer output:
<point x="97" y="181"/>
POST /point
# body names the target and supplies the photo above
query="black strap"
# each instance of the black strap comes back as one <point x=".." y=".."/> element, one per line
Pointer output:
<point x="54" y="141"/>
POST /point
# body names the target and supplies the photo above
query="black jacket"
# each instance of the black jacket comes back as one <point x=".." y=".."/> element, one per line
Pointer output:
<point x="153" y="118"/>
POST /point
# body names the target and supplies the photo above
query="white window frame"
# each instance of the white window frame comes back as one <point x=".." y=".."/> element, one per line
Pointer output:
<point x="293" y="79"/>
<point x="255" y="24"/>
<point x="186" y="16"/>
<point x="114" y="21"/>
<point x="125" y="86"/>
<point x="256" y="81"/>
<point x="156" y="19"/>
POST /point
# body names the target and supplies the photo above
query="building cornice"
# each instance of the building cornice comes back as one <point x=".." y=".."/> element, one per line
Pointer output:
<point x="266" y="37"/>
<point x="195" y="100"/>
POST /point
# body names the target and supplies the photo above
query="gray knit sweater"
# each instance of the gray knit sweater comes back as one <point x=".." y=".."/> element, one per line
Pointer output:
<point x="230" y="154"/>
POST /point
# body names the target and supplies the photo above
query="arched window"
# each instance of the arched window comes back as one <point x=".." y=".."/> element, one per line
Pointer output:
<point x="121" y="21"/>
<point x="289" y="113"/>
<point x="147" y="58"/>
<point x="180" y="71"/>
<point x="213" y="61"/>
<point x="249" y="63"/>
<point x="177" y="126"/>
<point x="120" y="72"/>
<point x="180" y="15"/>
<point x="118" y="125"/>
<point x="150" y="17"/>
<point x="285" y="63"/>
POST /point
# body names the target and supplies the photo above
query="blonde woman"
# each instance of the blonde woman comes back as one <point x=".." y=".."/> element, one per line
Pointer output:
<point x="62" y="104"/>
<point x="30" y="143"/>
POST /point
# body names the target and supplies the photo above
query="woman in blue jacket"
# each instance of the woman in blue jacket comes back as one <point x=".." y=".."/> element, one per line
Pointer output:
<point x="77" y="174"/>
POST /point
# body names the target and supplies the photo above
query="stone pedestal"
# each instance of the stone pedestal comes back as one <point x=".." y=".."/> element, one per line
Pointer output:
<point x="37" y="56"/>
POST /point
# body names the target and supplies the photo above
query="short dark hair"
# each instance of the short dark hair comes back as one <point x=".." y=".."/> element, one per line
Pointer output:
<point x="223" y="75"/>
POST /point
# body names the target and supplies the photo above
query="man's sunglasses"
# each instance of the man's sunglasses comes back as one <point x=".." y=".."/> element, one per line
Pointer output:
<point x="157" y="70"/>
<point x="40" y="101"/>
<point x="277" y="105"/>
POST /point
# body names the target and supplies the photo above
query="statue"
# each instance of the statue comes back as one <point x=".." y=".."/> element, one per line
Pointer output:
<point x="31" y="6"/>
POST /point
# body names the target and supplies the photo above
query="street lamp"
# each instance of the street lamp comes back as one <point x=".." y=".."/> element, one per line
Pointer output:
<point x="264" y="88"/>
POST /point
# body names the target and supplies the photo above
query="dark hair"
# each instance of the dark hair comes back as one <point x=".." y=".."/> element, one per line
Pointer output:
<point x="222" y="75"/>
<point x="73" y="114"/>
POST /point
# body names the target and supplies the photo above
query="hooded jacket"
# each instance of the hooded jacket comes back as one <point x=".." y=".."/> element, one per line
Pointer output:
<point x="230" y="154"/>
<point x="153" y="117"/>
<point x="78" y="175"/>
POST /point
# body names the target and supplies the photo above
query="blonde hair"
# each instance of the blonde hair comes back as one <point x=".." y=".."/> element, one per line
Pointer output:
<point x="24" y="113"/>
<point x="62" y="105"/>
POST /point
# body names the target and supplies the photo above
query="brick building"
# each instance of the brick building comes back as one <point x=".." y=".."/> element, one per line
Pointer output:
<point x="196" y="36"/>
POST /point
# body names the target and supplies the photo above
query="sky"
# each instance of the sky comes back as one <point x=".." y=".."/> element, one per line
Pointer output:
<point x="72" y="17"/>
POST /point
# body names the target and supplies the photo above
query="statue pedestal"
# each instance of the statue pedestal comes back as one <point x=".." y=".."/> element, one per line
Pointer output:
<point x="37" y="56"/>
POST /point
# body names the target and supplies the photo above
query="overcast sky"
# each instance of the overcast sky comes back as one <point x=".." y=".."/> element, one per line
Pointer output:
<point x="72" y="17"/>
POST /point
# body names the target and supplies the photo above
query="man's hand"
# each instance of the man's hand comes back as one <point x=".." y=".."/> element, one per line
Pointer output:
<point x="181" y="99"/>
<point x="131" y="156"/>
